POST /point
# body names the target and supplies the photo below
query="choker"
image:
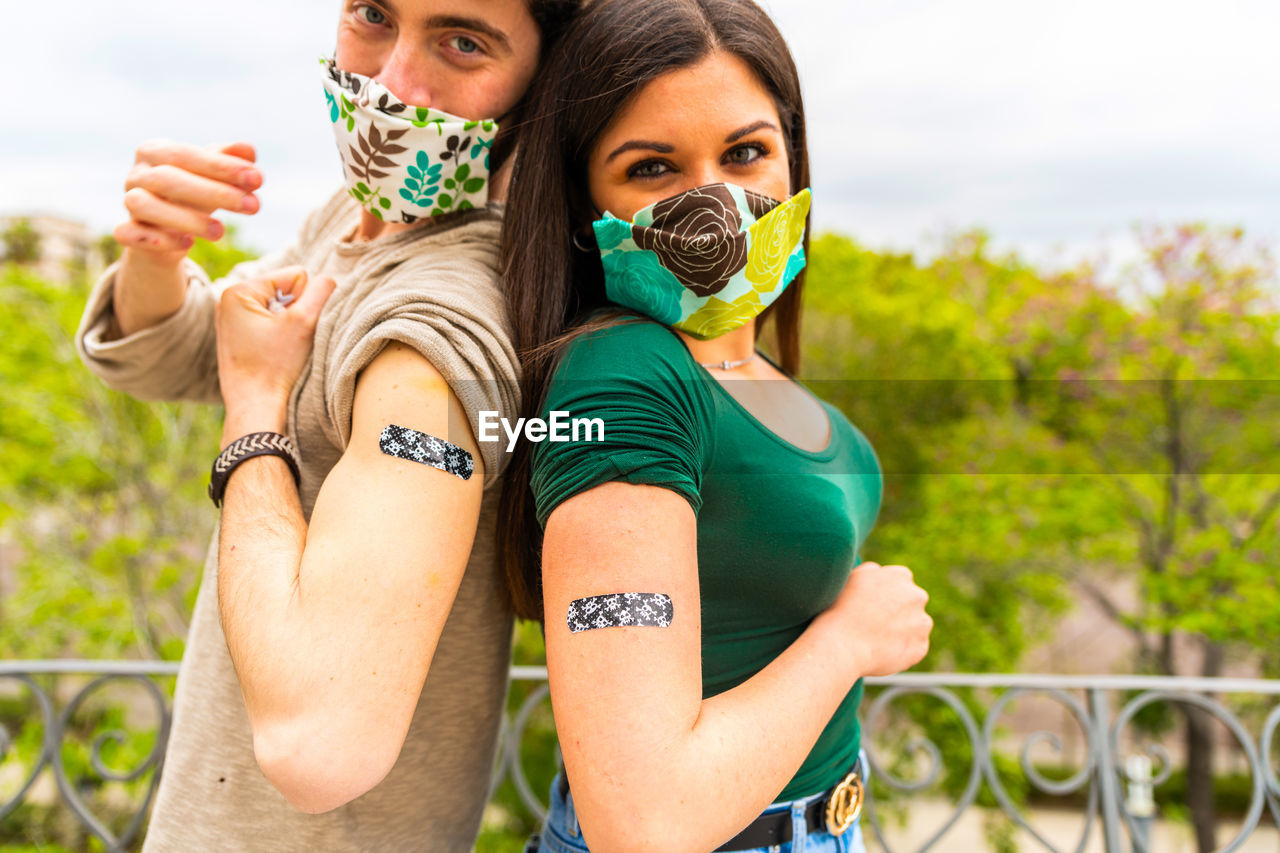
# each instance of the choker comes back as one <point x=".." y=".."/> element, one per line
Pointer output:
<point x="730" y="365"/>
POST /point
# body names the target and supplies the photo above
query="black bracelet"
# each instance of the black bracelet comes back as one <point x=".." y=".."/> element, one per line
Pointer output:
<point x="247" y="447"/>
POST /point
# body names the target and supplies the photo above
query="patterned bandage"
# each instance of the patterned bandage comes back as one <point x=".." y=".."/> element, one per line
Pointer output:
<point x="620" y="610"/>
<point x="404" y="443"/>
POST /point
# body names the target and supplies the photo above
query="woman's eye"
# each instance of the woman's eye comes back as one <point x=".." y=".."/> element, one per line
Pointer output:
<point x="647" y="169"/>
<point x="463" y="44"/>
<point x="745" y="154"/>
<point x="370" y="15"/>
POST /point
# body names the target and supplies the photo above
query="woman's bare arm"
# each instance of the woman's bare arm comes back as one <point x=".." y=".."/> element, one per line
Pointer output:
<point x="652" y="765"/>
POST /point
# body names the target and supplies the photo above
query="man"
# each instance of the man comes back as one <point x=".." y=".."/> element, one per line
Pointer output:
<point x="349" y="695"/>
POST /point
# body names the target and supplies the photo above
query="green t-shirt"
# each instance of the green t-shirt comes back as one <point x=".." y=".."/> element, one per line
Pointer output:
<point x="779" y="528"/>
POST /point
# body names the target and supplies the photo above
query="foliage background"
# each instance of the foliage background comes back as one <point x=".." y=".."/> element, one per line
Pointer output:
<point x="1046" y="435"/>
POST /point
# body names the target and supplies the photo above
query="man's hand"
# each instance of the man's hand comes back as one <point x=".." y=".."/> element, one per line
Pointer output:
<point x="170" y="193"/>
<point x="174" y="187"/>
<point x="261" y="351"/>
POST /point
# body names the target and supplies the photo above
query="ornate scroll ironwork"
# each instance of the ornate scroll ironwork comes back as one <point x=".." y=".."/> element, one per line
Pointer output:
<point x="60" y="731"/>
<point x="60" y="692"/>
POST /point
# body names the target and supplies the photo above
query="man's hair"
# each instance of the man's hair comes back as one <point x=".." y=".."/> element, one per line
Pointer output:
<point x="552" y="18"/>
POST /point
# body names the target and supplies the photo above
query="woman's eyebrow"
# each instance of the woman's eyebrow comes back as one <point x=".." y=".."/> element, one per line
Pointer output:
<point x="476" y="25"/>
<point x="751" y="128"/>
<point x="641" y="145"/>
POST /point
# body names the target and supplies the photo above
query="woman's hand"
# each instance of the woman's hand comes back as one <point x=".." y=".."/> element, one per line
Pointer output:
<point x="172" y="190"/>
<point x="263" y="347"/>
<point x="881" y="612"/>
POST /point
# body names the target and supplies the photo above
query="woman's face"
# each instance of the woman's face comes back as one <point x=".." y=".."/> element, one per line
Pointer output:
<point x="470" y="58"/>
<point x="710" y="123"/>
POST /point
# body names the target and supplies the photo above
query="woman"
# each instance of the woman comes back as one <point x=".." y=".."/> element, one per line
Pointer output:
<point x="349" y="649"/>
<point x="705" y="634"/>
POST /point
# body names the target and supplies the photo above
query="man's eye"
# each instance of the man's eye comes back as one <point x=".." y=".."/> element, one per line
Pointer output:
<point x="371" y="15"/>
<point x="463" y="44"/>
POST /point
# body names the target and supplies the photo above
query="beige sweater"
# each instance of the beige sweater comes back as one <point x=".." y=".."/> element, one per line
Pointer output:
<point x="435" y="288"/>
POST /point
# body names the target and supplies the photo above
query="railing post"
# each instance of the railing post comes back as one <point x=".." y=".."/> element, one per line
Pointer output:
<point x="1139" y="801"/>
<point x="1100" y="712"/>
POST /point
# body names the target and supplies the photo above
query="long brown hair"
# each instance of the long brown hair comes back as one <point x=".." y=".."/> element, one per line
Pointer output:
<point x="605" y="57"/>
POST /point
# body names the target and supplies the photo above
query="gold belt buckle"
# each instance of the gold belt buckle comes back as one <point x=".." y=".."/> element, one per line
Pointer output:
<point x="845" y="804"/>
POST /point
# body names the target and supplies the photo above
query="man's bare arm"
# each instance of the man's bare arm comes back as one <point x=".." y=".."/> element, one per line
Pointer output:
<point x="332" y="627"/>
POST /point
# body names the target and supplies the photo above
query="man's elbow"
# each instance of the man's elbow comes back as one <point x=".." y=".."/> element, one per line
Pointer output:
<point x="317" y="766"/>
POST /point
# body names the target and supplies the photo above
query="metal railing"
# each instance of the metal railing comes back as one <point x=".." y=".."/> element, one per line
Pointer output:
<point x="1121" y="763"/>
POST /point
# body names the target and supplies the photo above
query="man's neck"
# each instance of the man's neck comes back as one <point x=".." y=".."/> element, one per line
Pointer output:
<point x="371" y="227"/>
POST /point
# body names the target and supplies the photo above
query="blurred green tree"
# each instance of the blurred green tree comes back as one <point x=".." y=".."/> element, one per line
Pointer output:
<point x="21" y="243"/>
<point x="103" y="521"/>
<point x="99" y="496"/>
<point x="1169" y="399"/>
<point x="1078" y="433"/>
<point x="108" y="249"/>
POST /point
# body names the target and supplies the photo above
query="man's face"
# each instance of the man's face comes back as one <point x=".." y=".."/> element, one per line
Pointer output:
<point x="470" y="58"/>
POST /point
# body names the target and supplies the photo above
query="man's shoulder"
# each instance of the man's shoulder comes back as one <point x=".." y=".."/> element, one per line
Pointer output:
<point x="463" y="258"/>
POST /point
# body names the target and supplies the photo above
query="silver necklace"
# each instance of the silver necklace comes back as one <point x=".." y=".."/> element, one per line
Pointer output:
<point x="730" y="365"/>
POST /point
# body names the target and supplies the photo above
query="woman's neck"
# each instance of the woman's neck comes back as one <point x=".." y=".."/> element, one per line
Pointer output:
<point x="733" y="346"/>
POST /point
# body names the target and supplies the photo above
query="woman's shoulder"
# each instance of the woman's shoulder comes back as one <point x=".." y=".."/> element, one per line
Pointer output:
<point x="633" y="347"/>
<point x="655" y="416"/>
<point x="634" y="366"/>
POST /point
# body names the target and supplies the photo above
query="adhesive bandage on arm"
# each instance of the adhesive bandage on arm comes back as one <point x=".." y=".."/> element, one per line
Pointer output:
<point x="409" y="444"/>
<point x="620" y="610"/>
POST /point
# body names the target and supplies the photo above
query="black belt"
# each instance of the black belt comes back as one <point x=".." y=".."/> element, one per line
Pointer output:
<point x="775" y="827"/>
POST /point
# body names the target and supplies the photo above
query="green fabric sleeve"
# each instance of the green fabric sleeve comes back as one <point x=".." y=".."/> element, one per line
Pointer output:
<point x="638" y="379"/>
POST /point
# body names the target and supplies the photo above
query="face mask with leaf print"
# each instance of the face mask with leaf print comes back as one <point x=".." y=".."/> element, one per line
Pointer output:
<point x="401" y="162"/>
<point x="706" y="261"/>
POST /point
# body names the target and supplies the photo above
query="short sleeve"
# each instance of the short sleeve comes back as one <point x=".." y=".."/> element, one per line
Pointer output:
<point x="447" y="304"/>
<point x="176" y="359"/>
<point x="645" y="417"/>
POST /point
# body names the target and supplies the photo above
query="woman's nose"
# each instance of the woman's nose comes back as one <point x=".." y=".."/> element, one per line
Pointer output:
<point x="704" y="174"/>
<point x="406" y="72"/>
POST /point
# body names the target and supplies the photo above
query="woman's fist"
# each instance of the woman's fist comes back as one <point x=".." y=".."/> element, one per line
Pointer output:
<point x="881" y="613"/>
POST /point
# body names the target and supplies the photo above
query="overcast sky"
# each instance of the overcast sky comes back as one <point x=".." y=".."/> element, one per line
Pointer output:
<point x="1050" y="124"/>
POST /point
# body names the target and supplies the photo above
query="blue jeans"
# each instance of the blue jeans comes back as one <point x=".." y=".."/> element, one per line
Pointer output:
<point x="561" y="833"/>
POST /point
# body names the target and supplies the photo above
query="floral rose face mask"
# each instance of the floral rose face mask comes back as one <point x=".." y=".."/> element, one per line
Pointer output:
<point x="706" y="261"/>
<point x="401" y="162"/>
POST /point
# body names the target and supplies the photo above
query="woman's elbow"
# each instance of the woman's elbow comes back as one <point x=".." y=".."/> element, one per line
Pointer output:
<point x="627" y="831"/>
<point x="316" y="767"/>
